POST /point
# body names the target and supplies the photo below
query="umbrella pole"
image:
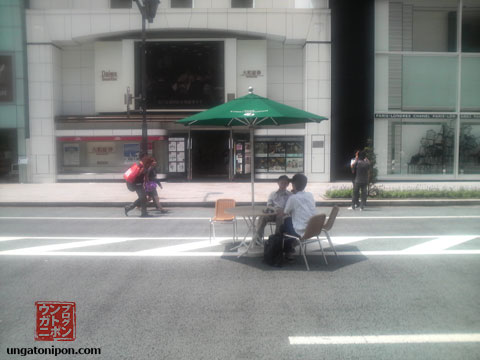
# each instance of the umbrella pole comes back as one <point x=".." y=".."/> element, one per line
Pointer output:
<point x="252" y="178"/>
<point x="252" y="166"/>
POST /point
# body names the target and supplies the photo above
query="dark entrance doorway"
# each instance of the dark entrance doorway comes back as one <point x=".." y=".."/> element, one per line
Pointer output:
<point x="352" y="81"/>
<point x="210" y="154"/>
<point x="8" y="156"/>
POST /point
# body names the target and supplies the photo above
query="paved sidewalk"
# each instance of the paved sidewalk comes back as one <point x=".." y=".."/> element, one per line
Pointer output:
<point x="195" y="193"/>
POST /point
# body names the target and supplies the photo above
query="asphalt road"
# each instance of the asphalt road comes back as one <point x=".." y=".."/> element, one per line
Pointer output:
<point x="405" y="286"/>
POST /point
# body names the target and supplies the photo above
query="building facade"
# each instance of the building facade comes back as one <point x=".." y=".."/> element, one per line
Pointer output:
<point x="427" y="89"/>
<point x="84" y="61"/>
<point x="14" y="126"/>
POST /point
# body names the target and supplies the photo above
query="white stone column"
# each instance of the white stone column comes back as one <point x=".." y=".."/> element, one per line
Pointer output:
<point x="43" y="59"/>
<point x="318" y="101"/>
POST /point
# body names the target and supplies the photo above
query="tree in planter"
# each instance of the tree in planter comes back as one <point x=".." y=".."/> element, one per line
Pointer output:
<point x="372" y="179"/>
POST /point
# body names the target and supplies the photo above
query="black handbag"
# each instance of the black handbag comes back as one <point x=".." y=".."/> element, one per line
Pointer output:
<point x="273" y="250"/>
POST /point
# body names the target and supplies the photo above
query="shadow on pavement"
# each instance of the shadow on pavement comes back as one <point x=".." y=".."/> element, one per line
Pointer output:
<point x="315" y="260"/>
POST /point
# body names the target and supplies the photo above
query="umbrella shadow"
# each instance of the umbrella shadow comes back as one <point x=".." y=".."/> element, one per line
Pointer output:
<point x="315" y="259"/>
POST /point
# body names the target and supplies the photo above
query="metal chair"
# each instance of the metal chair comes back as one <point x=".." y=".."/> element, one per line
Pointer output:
<point x="316" y="225"/>
<point x="312" y="233"/>
<point x="328" y="226"/>
<point x="222" y="217"/>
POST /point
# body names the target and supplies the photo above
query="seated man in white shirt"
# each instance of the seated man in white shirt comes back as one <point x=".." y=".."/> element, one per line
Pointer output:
<point x="276" y="201"/>
<point x="301" y="207"/>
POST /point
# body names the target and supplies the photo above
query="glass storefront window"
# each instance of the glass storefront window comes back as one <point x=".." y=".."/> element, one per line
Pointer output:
<point x="76" y="157"/>
<point x="279" y="155"/>
<point x="242" y="3"/>
<point x="470" y="95"/>
<point x="429" y="83"/>
<point x="181" y="4"/>
<point x="469" y="148"/>
<point x="421" y="147"/>
<point x="411" y="24"/>
<point x="471" y="26"/>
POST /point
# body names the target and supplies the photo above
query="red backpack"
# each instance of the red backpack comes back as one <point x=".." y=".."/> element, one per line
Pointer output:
<point x="132" y="173"/>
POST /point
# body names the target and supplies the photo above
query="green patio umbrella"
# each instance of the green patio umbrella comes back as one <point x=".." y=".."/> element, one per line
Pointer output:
<point x="251" y="110"/>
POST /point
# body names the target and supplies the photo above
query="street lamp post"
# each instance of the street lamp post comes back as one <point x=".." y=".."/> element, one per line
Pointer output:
<point x="148" y="9"/>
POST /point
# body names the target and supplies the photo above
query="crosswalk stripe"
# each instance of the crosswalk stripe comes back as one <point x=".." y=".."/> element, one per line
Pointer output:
<point x="440" y="243"/>
<point x="8" y="238"/>
<point x="384" y="339"/>
<point x="71" y="245"/>
<point x="181" y="247"/>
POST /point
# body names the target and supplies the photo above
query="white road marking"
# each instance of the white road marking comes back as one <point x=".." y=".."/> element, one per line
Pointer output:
<point x="8" y="238"/>
<point x="343" y="240"/>
<point x="402" y="253"/>
<point x="70" y="245"/>
<point x="204" y="243"/>
<point x="440" y="243"/>
<point x="154" y="218"/>
<point x="182" y="247"/>
<point x="384" y="339"/>
<point x="409" y="217"/>
<point x="219" y="238"/>
<point x="99" y="218"/>
<point x="221" y="254"/>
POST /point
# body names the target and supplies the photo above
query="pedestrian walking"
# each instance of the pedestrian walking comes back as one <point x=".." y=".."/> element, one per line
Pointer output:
<point x="137" y="185"/>
<point x="151" y="182"/>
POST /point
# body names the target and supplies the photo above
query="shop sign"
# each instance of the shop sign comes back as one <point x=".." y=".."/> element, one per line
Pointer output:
<point x="102" y="150"/>
<point x="414" y="116"/>
<point x="6" y="78"/>
<point x="470" y="116"/>
<point x="252" y="73"/>
<point x="101" y="153"/>
<point x="109" y="75"/>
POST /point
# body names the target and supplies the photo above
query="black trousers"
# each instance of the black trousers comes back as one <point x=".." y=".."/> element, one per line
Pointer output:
<point x="287" y="228"/>
<point x="356" y="192"/>
<point x="142" y="197"/>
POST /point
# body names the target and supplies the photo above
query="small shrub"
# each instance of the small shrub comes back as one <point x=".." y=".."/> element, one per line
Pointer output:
<point x="429" y="193"/>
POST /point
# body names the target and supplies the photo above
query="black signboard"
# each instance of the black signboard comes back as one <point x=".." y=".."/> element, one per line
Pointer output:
<point x="182" y="74"/>
<point x="6" y="78"/>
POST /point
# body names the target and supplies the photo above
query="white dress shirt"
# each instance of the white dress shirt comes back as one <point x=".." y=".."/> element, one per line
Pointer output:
<point x="278" y="199"/>
<point x="301" y="207"/>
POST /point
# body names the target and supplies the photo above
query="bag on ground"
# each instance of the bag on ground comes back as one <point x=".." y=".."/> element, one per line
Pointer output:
<point x="273" y="250"/>
<point x="131" y="174"/>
